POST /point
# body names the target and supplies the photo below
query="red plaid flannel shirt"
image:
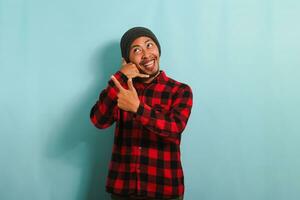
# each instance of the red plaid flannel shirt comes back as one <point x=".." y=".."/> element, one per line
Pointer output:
<point x="146" y="152"/>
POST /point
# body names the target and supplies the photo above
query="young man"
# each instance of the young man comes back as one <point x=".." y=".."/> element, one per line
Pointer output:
<point x="151" y="111"/>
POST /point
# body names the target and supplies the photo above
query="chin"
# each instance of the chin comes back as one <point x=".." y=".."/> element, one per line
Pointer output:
<point x="154" y="73"/>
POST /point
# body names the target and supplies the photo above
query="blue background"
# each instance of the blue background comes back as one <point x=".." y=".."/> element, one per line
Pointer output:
<point x="241" y="58"/>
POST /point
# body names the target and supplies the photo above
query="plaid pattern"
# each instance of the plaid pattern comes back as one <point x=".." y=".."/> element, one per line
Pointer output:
<point x="146" y="152"/>
<point x="115" y="197"/>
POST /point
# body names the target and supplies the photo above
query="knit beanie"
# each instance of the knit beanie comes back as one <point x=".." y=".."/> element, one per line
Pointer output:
<point x="132" y="34"/>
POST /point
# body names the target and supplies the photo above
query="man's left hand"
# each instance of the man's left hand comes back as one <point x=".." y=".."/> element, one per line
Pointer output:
<point x="128" y="100"/>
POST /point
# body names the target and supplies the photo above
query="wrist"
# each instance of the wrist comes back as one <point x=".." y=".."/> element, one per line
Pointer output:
<point x="121" y="76"/>
<point x="136" y="107"/>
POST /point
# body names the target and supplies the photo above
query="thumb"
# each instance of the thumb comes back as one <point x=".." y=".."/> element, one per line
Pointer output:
<point x="130" y="85"/>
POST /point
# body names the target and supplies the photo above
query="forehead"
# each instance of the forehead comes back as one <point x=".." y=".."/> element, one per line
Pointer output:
<point x="140" y="41"/>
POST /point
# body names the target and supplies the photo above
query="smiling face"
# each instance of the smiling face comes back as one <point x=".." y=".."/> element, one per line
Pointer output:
<point x="144" y="54"/>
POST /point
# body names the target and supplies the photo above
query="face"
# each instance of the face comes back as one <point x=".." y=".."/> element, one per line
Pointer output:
<point x="145" y="55"/>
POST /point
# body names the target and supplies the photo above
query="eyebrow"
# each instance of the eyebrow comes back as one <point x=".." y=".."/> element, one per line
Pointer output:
<point x="139" y="45"/>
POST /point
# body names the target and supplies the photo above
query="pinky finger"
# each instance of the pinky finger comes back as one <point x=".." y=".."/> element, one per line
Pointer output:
<point x="143" y="75"/>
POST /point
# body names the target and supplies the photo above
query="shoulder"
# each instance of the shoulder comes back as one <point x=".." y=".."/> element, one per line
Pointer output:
<point x="177" y="85"/>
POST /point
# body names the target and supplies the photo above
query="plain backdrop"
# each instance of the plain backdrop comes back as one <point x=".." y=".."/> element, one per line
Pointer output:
<point x="241" y="58"/>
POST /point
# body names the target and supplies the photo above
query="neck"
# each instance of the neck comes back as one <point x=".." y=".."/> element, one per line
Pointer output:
<point x="149" y="80"/>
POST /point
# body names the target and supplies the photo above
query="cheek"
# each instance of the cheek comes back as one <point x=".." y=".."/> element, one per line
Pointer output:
<point x="156" y="53"/>
<point x="135" y="58"/>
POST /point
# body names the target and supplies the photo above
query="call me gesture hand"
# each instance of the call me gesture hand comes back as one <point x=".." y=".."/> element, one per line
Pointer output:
<point x="131" y="70"/>
<point x="128" y="100"/>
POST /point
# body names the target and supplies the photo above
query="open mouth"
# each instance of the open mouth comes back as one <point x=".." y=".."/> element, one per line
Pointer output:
<point x="148" y="64"/>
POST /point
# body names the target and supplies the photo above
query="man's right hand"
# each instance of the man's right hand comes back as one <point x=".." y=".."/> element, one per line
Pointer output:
<point x="131" y="71"/>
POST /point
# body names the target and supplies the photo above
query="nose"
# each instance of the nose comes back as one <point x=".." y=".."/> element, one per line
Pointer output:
<point x="146" y="54"/>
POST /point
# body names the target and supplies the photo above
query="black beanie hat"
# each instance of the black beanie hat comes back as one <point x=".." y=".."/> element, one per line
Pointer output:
<point x="130" y="35"/>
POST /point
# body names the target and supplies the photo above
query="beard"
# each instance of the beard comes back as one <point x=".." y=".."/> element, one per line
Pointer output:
<point x="151" y="75"/>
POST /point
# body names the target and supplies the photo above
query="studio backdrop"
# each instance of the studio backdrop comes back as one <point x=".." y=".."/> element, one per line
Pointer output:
<point x="240" y="57"/>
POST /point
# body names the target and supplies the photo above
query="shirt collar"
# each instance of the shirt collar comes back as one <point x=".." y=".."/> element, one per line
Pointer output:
<point x="161" y="78"/>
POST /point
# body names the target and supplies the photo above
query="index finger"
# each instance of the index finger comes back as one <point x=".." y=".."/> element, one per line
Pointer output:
<point x="117" y="83"/>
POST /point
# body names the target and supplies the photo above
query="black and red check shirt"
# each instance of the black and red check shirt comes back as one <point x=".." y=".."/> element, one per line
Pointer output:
<point x="146" y="152"/>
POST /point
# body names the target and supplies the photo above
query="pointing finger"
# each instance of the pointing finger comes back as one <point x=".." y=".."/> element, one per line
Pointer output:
<point x="117" y="83"/>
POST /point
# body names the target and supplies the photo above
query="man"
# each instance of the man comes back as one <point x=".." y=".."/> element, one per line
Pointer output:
<point x="151" y="111"/>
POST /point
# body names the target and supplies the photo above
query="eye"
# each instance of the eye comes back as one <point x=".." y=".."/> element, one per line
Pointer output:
<point x="149" y="45"/>
<point x="136" y="50"/>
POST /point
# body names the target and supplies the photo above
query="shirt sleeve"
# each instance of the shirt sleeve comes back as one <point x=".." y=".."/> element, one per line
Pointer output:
<point x="168" y="123"/>
<point x="104" y="113"/>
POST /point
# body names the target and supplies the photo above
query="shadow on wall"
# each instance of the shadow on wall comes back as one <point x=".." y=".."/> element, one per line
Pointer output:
<point x="80" y="145"/>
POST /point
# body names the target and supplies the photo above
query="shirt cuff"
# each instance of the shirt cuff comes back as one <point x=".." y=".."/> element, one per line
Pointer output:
<point x="144" y="113"/>
<point x="112" y="89"/>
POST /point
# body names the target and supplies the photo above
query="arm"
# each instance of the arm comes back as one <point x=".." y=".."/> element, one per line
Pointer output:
<point x="104" y="112"/>
<point x="168" y="123"/>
